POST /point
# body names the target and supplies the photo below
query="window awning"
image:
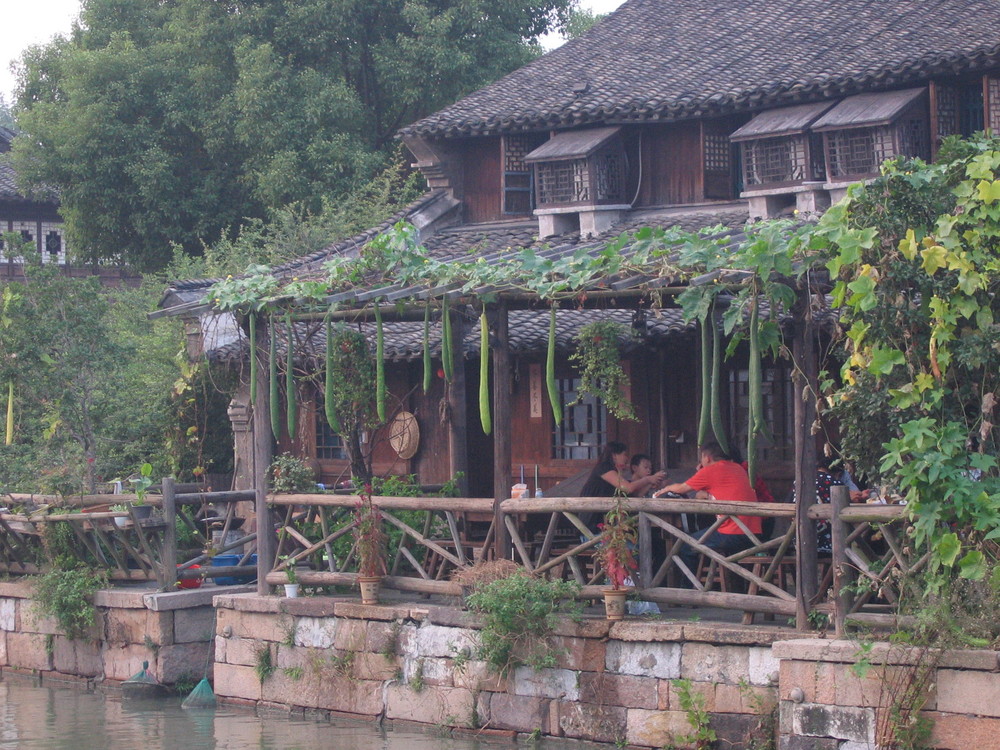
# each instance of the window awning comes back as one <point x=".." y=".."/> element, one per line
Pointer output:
<point x="783" y="121"/>
<point x="868" y="110"/>
<point x="577" y="144"/>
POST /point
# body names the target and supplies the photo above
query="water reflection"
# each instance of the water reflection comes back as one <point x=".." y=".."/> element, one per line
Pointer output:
<point x="67" y="719"/>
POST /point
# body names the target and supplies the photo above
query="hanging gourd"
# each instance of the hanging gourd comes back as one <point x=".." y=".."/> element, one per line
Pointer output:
<point x="291" y="409"/>
<point x="550" y="370"/>
<point x="272" y="382"/>
<point x="717" y="426"/>
<point x="329" y="407"/>
<point x="705" y="418"/>
<point x="484" y="374"/>
<point x="379" y="364"/>
<point x="9" y="439"/>
<point x="253" y="356"/>
<point x="428" y="371"/>
<point x="447" y="363"/>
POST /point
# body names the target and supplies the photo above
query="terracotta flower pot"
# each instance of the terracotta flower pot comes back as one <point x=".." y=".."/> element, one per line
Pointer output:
<point x="369" y="588"/>
<point x="614" y="603"/>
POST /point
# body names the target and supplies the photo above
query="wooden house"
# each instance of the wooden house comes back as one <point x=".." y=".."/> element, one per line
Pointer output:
<point x="667" y="112"/>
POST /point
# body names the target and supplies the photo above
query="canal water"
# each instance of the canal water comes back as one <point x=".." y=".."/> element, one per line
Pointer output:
<point x="48" y="718"/>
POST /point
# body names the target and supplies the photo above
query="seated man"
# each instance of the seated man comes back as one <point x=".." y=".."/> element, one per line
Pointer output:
<point x="722" y="480"/>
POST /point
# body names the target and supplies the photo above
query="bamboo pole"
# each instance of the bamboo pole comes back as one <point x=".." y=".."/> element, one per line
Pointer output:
<point x="168" y="552"/>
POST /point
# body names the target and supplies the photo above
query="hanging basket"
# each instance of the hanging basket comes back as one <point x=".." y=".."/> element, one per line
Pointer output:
<point x="404" y="435"/>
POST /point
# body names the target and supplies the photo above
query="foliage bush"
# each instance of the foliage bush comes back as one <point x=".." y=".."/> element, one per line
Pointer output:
<point x="519" y="613"/>
<point x="67" y="595"/>
<point x="288" y="473"/>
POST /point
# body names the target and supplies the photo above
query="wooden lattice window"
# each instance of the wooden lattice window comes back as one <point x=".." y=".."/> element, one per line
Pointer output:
<point x="947" y="110"/>
<point x="913" y="136"/>
<point x="563" y="182"/>
<point x="609" y="176"/>
<point x="584" y="426"/>
<point x="774" y="160"/>
<point x="993" y="91"/>
<point x="329" y="445"/>
<point x="518" y="186"/>
<point x="779" y="410"/>
<point x="853" y="152"/>
<point x="717" y="153"/>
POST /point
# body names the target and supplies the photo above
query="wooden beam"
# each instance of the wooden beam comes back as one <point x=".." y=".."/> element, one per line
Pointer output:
<point x="502" y="425"/>
<point x="260" y="426"/>
<point x="805" y="383"/>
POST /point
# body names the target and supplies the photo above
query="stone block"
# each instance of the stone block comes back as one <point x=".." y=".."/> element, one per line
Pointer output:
<point x="450" y="616"/>
<point x="962" y="732"/>
<point x="121" y="661"/>
<point x="751" y="699"/>
<point x="442" y="706"/>
<point x="420" y="671"/>
<point x="8" y="614"/>
<point x="647" y="631"/>
<point x="190" y="625"/>
<point x="436" y="640"/>
<point x="382" y="637"/>
<point x="166" y="601"/>
<point x="657" y="728"/>
<point x="358" y="611"/>
<point x="120" y="598"/>
<point x="249" y="601"/>
<point x="16" y="590"/>
<point x="604" y="688"/>
<point x="309" y="606"/>
<point x="562" y="684"/>
<point x="586" y="627"/>
<point x="244" y="624"/>
<point x="369" y="666"/>
<point x="220" y="648"/>
<point x="587" y="654"/>
<point x="762" y="666"/>
<point x="661" y="660"/>
<point x="808" y="743"/>
<point x="350" y="635"/>
<point x="236" y="681"/>
<point x="33" y="621"/>
<point x="336" y="691"/>
<point x="733" y="635"/>
<point x="183" y="661"/>
<point x="315" y="632"/>
<point x="478" y="675"/>
<point x="81" y="658"/>
<point x="516" y="712"/>
<point x="702" y="691"/>
<point x="588" y="721"/>
<point x="967" y="692"/>
<point x="29" y="651"/>
<point x="801" y="675"/>
<point x="841" y="722"/>
<point x="703" y="662"/>
<point x="242" y="651"/>
<point x="3" y="649"/>
<point x="732" y="730"/>
<point x="128" y="626"/>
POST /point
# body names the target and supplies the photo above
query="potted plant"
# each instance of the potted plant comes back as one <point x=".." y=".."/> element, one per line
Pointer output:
<point x="292" y="587"/>
<point x="141" y="484"/>
<point x="370" y="543"/>
<point x="616" y="556"/>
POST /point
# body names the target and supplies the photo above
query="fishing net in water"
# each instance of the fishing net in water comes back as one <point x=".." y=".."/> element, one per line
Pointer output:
<point x="201" y="697"/>
<point x="143" y="676"/>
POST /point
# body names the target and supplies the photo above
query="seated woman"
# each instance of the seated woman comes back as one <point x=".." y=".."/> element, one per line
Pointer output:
<point x="608" y="476"/>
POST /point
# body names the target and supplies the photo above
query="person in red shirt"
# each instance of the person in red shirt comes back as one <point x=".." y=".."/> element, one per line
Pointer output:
<point x="722" y="479"/>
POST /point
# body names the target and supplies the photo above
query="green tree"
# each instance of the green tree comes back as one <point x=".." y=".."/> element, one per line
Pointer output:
<point x="169" y="123"/>
<point x="6" y="115"/>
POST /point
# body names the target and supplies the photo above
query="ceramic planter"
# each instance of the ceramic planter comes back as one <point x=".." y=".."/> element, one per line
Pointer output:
<point x="614" y="603"/>
<point x="369" y="588"/>
<point x="292" y="590"/>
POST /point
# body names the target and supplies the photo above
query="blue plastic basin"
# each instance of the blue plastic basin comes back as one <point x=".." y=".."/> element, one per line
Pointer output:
<point x="227" y="561"/>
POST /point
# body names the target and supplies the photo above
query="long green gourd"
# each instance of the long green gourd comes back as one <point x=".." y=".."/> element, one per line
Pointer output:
<point x="379" y="364"/>
<point x="329" y="407"/>
<point x="253" y="357"/>
<point x="428" y="372"/>
<point x="272" y="382"/>
<point x="755" y="417"/>
<point x="717" y="426"/>
<point x="705" y="418"/>
<point x="447" y="363"/>
<point x="484" y="375"/>
<point x="9" y="437"/>
<point x="550" y="371"/>
<point x="291" y="408"/>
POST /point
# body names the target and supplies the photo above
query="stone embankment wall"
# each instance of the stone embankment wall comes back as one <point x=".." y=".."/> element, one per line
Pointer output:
<point x="613" y="682"/>
<point x="172" y="631"/>
<point x="828" y="703"/>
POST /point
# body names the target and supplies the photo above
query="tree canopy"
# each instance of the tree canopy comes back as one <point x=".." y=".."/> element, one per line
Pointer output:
<point x="169" y="123"/>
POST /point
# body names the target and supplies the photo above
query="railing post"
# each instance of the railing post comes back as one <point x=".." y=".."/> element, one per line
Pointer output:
<point x="645" y="551"/>
<point x="840" y="498"/>
<point x="501" y="425"/>
<point x="262" y="454"/>
<point x="168" y="554"/>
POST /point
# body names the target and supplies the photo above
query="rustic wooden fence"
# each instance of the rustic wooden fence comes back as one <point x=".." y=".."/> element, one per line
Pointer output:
<point x="432" y="537"/>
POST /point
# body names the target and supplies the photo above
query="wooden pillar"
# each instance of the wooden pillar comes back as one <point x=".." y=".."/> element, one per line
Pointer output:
<point x="805" y="385"/>
<point x="262" y="452"/>
<point x="168" y="554"/>
<point x="500" y="341"/>
<point x="458" y="454"/>
<point x="840" y="498"/>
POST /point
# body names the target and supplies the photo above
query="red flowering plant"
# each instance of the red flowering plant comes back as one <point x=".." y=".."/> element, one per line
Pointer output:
<point x="616" y="555"/>
<point x="370" y="539"/>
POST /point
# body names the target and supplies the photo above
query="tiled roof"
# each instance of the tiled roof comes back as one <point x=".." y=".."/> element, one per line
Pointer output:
<point x="8" y="186"/>
<point x="671" y="59"/>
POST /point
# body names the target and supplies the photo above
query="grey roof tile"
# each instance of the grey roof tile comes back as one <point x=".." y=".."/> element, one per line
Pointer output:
<point x="668" y="59"/>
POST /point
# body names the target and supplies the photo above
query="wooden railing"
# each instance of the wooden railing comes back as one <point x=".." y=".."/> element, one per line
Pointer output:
<point x="433" y="537"/>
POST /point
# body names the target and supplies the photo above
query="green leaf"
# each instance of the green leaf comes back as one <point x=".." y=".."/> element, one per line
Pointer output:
<point x="948" y="548"/>
<point x="884" y="360"/>
<point x="935" y="257"/>
<point x="973" y="566"/>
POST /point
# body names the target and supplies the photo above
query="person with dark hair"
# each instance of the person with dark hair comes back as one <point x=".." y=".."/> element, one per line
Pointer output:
<point x="608" y="476"/>
<point x="722" y="479"/>
<point x="641" y="466"/>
